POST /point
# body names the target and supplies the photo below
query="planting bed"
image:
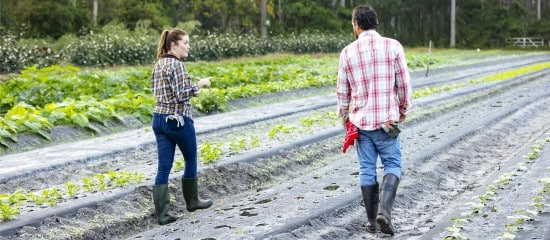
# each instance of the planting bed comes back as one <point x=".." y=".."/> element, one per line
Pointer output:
<point x="277" y="170"/>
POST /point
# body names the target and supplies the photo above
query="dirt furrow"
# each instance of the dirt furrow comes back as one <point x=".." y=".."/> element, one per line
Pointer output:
<point x="432" y="187"/>
<point x="308" y="160"/>
<point x="447" y="173"/>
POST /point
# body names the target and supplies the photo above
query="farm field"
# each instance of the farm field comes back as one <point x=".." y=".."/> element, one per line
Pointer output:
<point x="476" y="150"/>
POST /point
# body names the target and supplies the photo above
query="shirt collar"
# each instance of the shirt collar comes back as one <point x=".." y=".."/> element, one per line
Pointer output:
<point x="168" y="55"/>
<point x="372" y="33"/>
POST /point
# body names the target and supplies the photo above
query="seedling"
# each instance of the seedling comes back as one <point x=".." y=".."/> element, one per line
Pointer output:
<point x="254" y="141"/>
<point x="72" y="188"/>
<point x="210" y="152"/>
<point x="37" y="198"/>
<point x="279" y="129"/>
<point x="178" y="165"/>
<point x="100" y="181"/>
<point x="88" y="184"/>
<point x="9" y="212"/>
<point x="236" y="145"/>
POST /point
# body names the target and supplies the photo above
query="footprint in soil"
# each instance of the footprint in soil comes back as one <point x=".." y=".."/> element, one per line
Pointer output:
<point x="246" y="213"/>
<point x="223" y="226"/>
<point x="331" y="187"/>
<point x="265" y="201"/>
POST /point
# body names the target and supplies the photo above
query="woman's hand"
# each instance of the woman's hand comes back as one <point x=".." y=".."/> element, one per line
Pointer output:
<point x="204" y="83"/>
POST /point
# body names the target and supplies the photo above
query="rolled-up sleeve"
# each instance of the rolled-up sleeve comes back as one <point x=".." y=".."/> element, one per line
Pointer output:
<point x="343" y="92"/>
<point x="184" y="88"/>
<point x="403" y="82"/>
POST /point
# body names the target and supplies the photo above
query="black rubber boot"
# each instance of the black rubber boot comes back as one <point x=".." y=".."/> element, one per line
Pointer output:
<point x="161" y="198"/>
<point x="389" y="188"/>
<point x="370" y="198"/>
<point x="190" y="194"/>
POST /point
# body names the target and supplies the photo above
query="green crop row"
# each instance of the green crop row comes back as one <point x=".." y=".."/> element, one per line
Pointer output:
<point x="503" y="76"/>
<point x="512" y="73"/>
<point x="454" y="232"/>
<point x="209" y="151"/>
<point x="38" y="99"/>
<point x="10" y="203"/>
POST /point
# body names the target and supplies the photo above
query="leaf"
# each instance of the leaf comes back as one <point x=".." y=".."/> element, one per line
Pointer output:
<point x="80" y="120"/>
<point x="93" y="128"/>
<point x="44" y="134"/>
<point x="33" y="126"/>
<point x="4" y="143"/>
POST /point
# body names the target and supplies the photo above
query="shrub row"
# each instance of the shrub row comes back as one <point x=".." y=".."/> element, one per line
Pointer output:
<point x="116" y="46"/>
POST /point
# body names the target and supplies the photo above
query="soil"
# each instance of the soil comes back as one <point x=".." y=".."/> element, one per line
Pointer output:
<point x="456" y="145"/>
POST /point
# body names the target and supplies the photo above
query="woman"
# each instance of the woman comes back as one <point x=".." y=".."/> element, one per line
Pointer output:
<point x="172" y="123"/>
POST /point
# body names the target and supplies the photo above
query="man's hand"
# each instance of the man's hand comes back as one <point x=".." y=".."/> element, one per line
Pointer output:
<point x="402" y="118"/>
<point x="344" y="122"/>
<point x="391" y="129"/>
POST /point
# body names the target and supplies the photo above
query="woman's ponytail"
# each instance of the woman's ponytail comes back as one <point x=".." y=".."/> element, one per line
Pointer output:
<point x="161" y="47"/>
<point x="167" y="37"/>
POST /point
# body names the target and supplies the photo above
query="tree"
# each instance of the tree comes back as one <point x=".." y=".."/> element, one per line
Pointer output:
<point x="263" y="20"/>
<point x="55" y="19"/>
<point x="94" y="12"/>
<point x="453" y="24"/>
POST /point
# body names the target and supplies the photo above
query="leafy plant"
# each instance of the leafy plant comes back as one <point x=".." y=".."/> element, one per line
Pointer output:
<point x="209" y="152"/>
<point x="9" y="212"/>
<point x="210" y="100"/>
<point x="280" y="129"/>
<point x="254" y="141"/>
<point x="88" y="184"/>
<point x="100" y="181"/>
<point x="72" y="188"/>
<point x="236" y="145"/>
<point x="178" y="164"/>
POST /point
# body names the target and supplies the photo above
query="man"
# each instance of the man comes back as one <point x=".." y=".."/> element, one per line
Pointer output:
<point x="374" y="94"/>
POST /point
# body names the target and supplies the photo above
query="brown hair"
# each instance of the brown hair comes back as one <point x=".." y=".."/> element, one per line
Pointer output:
<point x="167" y="37"/>
<point x="365" y="17"/>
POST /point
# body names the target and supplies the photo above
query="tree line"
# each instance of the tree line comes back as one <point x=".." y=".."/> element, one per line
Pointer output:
<point x="478" y="23"/>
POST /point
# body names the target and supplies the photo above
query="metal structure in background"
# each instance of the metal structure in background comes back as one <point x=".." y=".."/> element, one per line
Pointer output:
<point x="525" y="42"/>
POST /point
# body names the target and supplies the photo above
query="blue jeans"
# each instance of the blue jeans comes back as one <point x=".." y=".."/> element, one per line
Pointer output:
<point x="372" y="144"/>
<point x="168" y="135"/>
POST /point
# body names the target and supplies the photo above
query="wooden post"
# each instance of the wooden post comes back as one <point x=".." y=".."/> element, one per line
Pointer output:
<point x="263" y="19"/>
<point x="453" y="24"/>
<point x="429" y="60"/>
<point x="94" y="13"/>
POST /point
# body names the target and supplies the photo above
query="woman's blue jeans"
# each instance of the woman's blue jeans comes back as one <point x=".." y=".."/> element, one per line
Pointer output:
<point x="168" y="135"/>
<point x="372" y="144"/>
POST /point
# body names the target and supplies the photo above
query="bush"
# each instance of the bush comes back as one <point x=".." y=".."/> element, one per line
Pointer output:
<point x="116" y="45"/>
<point x="17" y="54"/>
<point x="210" y="100"/>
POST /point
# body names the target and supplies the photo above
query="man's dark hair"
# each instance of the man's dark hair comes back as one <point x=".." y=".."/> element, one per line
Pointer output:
<point x="365" y="17"/>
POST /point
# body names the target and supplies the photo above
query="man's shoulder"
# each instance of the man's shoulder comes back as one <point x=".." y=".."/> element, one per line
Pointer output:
<point x="391" y="41"/>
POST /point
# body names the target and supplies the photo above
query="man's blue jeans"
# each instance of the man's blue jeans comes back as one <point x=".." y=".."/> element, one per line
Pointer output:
<point x="372" y="144"/>
<point x="168" y="135"/>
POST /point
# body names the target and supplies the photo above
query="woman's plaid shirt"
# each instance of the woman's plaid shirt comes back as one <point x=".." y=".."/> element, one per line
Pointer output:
<point x="172" y="87"/>
<point x="373" y="81"/>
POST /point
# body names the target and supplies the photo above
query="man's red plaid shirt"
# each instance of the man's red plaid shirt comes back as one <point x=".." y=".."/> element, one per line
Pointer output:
<point x="373" y="84"/>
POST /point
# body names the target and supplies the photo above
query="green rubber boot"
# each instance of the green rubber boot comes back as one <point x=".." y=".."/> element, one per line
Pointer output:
<point x="190" y="194"/>
<point x="162" y="204"/>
